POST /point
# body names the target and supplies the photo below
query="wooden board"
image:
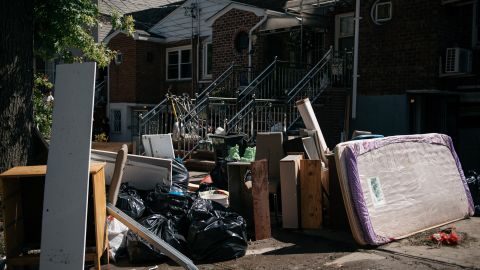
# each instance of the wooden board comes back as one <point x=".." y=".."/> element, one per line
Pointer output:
<point x="66" y="183"/>
<point x="261" y="208"/>
<point x="289" y="176"/>
<point x="311" y="194"/>
<point x="270" y="147"/>
<point x="308" y="116"/>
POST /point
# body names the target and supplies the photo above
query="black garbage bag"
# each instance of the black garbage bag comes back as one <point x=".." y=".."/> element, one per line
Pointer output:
<point x="141" y="251"/>
<point x="215" y="233"/>
<point x="130" y="202"/>
<point x="172" y="205"/>
<point x="473" y="181"/>
<point x="179" y="177"/>
<point x="219" y="174"/>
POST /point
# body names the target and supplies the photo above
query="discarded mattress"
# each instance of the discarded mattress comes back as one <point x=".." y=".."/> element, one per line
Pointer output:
<point x="397" y="186"/>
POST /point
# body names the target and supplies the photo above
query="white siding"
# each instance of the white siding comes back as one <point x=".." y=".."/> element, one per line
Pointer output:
<point x="178" y="26"/>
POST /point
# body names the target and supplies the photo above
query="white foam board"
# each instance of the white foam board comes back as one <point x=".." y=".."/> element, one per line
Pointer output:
<point x="66" y="183"/>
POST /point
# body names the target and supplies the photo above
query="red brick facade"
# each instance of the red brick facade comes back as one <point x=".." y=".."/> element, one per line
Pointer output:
<point x="141" y="77"/>
<point x="224" y="32"/>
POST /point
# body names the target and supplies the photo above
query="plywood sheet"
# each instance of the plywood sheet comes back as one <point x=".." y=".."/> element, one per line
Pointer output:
<point x="261" y="208"/>
<point x="311" y="194"/>
<point x="398" y="186"/>
<point x="66" y="183"/>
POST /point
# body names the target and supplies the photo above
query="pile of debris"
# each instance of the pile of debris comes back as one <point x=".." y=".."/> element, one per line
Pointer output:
<point x="201" y="229"/>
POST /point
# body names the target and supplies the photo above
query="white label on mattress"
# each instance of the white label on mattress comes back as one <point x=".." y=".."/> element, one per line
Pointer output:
<point x="376" y="191"/>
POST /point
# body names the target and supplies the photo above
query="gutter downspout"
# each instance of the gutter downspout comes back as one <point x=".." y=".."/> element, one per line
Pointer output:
<point x="355" y="59"/>
<point x="265" y="17"/>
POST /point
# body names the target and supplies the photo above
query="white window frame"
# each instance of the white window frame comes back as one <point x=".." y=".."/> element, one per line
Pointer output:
<point x="389" y="11"/>
<point x="179" y="50"/>
<point x="113" y="121"/>
<point x="205" y="75"/>
<point x="337" y="27"/>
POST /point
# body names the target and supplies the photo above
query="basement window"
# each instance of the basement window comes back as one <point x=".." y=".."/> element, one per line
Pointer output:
<point x="383" y="11"/>
<point x="179" y="63"/>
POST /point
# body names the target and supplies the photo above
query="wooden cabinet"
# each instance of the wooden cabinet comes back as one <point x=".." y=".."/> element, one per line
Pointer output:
<point x="22" y="195"/>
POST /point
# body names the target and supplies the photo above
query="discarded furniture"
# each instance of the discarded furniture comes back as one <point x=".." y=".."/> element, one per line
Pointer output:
<point x="289" y="180"/>
<point x="270" y="147"/>
<point x="313" y="185"/>
<point x="140" y="172"/>
<point x="401" y="185"/>
<point x="250" y="199"/>
<point x="117" y="174"/>
<point x="23" y="191"/>
<point x="113" y="146"/>
<point x="308" y="116"/>
<point x="151" y="238"/>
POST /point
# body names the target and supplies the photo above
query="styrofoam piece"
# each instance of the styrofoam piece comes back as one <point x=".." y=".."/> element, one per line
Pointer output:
<point x="158" y="145"/>
<point x="140" y="172"/>
<point x="398" y="186"/>
<point x="310" y="120"/>
<point x="66" y="183"/>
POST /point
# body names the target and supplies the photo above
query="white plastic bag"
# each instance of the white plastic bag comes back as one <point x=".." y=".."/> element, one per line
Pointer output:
<point x="116" y="236"/>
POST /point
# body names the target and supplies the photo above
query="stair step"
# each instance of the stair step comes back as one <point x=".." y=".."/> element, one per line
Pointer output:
<point x="200" y="165"/>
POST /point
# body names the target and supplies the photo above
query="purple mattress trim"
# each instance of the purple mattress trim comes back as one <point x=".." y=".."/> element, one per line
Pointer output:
<point x="356" y="149"/>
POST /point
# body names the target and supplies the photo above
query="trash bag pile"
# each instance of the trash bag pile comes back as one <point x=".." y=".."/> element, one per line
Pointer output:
<point x="473" y="181"/>
<point x="201" y="229"/>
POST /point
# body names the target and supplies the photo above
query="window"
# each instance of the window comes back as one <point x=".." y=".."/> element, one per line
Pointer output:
<point x="118" y="58"/>
<point x="344" y="31"/>
<point x="117" y="121"/>
<point x="179" y="63"/>
<point x="381" y="12"/>
<point x="207" y="60"/>
<point x="346" y="26"/>
<point x="241" y="42"/>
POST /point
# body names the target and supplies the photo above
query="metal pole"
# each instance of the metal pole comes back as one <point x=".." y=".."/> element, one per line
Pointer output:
<point x="355" y="59"/>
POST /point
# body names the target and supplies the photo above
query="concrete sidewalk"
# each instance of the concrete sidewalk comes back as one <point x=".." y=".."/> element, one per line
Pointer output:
<point x="331" y="250"/>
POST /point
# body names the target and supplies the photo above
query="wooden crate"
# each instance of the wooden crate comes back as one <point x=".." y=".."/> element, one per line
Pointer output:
<point x="22" y="194"/>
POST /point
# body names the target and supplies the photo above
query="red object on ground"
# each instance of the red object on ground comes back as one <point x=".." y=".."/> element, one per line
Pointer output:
<point x="207" y="179"/>
<point x="447" y="236"/>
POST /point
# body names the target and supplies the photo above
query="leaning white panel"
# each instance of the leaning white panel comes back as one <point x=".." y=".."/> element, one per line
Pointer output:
<point x="140" y="172"/>
<point x="66" y="183"/>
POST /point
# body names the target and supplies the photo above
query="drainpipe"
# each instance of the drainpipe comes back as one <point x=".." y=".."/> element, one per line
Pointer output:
<point x="265" y="17"/>
<point x="108" y="92"/>
<point x="355" y="59"/>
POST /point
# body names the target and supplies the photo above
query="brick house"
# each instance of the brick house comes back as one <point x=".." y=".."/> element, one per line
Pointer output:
<point x="418" y="66"/>
<point x="418" y="61"/>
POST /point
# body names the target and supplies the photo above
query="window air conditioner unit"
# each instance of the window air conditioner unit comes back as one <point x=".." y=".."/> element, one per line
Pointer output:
<point x="458" y="60"/>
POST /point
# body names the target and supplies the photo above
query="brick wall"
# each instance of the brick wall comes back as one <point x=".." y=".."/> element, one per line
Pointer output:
<point x="402" y="54"/>
<point x="150" y="67"/>
<point x="224" y="31"/>
<point x="123" y="76"/>
<point x="330" y="112"/>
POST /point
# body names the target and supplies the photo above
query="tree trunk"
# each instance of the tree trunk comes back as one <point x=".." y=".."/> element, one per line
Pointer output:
<point x="16" y="81"/>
